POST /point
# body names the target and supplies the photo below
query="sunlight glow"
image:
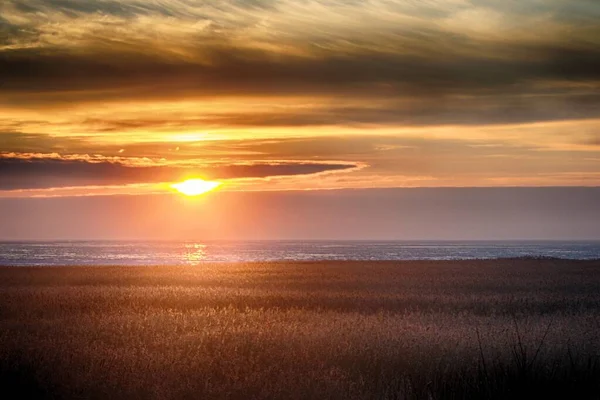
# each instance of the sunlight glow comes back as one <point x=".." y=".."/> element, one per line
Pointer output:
<point x="195" y="187"/>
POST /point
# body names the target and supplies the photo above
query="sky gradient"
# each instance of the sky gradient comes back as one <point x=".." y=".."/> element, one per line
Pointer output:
<point x="357" y="214"/>
<point x="125" y="97"/>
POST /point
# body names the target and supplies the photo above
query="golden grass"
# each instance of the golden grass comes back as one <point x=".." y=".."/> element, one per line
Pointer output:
<point x="339" y="330"/>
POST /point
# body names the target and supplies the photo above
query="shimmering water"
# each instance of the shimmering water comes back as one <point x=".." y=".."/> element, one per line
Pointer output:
<point x="190" y="253"/>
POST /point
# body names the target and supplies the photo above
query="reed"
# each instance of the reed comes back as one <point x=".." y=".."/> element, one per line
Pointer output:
<point x="501" y="329"/>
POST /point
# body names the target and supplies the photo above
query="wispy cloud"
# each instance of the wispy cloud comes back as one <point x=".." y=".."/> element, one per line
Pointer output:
<point x="207" y="48"/>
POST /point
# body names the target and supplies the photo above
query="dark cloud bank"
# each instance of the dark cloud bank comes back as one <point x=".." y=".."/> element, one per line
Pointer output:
<point x="233" y="70"/>
<point x="553" y="84"/>
<point x="40" y="173"/>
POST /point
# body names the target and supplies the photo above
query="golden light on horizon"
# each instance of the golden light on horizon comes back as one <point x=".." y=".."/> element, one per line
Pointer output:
<point x="195" y="187"/>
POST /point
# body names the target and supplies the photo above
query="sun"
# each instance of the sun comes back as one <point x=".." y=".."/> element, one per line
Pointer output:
<point x="195" y="187"/>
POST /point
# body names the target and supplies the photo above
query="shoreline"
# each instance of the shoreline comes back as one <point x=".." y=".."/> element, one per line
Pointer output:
<point x="526" y="259"/>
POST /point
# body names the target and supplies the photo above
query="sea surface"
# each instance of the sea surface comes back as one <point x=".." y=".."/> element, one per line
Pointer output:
<point x="192" y="253"/>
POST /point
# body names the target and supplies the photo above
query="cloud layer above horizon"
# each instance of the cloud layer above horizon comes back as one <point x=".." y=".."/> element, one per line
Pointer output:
<point x="374" y="93"/>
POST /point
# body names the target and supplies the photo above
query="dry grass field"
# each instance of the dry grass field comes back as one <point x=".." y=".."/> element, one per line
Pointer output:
<point x="504" y="329"/>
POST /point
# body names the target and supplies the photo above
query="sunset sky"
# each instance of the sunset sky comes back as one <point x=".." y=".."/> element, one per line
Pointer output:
<point x="102" y="99"/>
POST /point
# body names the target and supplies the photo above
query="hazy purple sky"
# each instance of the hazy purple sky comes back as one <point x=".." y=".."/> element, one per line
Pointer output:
<point x="483" y="213"/>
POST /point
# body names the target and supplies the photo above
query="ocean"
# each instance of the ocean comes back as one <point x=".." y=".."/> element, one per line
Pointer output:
<point x="198" y="252"/>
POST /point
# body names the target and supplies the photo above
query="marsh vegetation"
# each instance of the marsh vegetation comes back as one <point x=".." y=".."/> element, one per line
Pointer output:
<point x="338" y="330"/>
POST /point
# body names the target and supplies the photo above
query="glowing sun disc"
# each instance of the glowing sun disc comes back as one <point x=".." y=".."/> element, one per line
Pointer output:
<point x="195" y="187"/>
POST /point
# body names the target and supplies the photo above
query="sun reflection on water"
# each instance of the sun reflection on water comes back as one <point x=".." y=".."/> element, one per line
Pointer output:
<point x="195" y="253"/>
